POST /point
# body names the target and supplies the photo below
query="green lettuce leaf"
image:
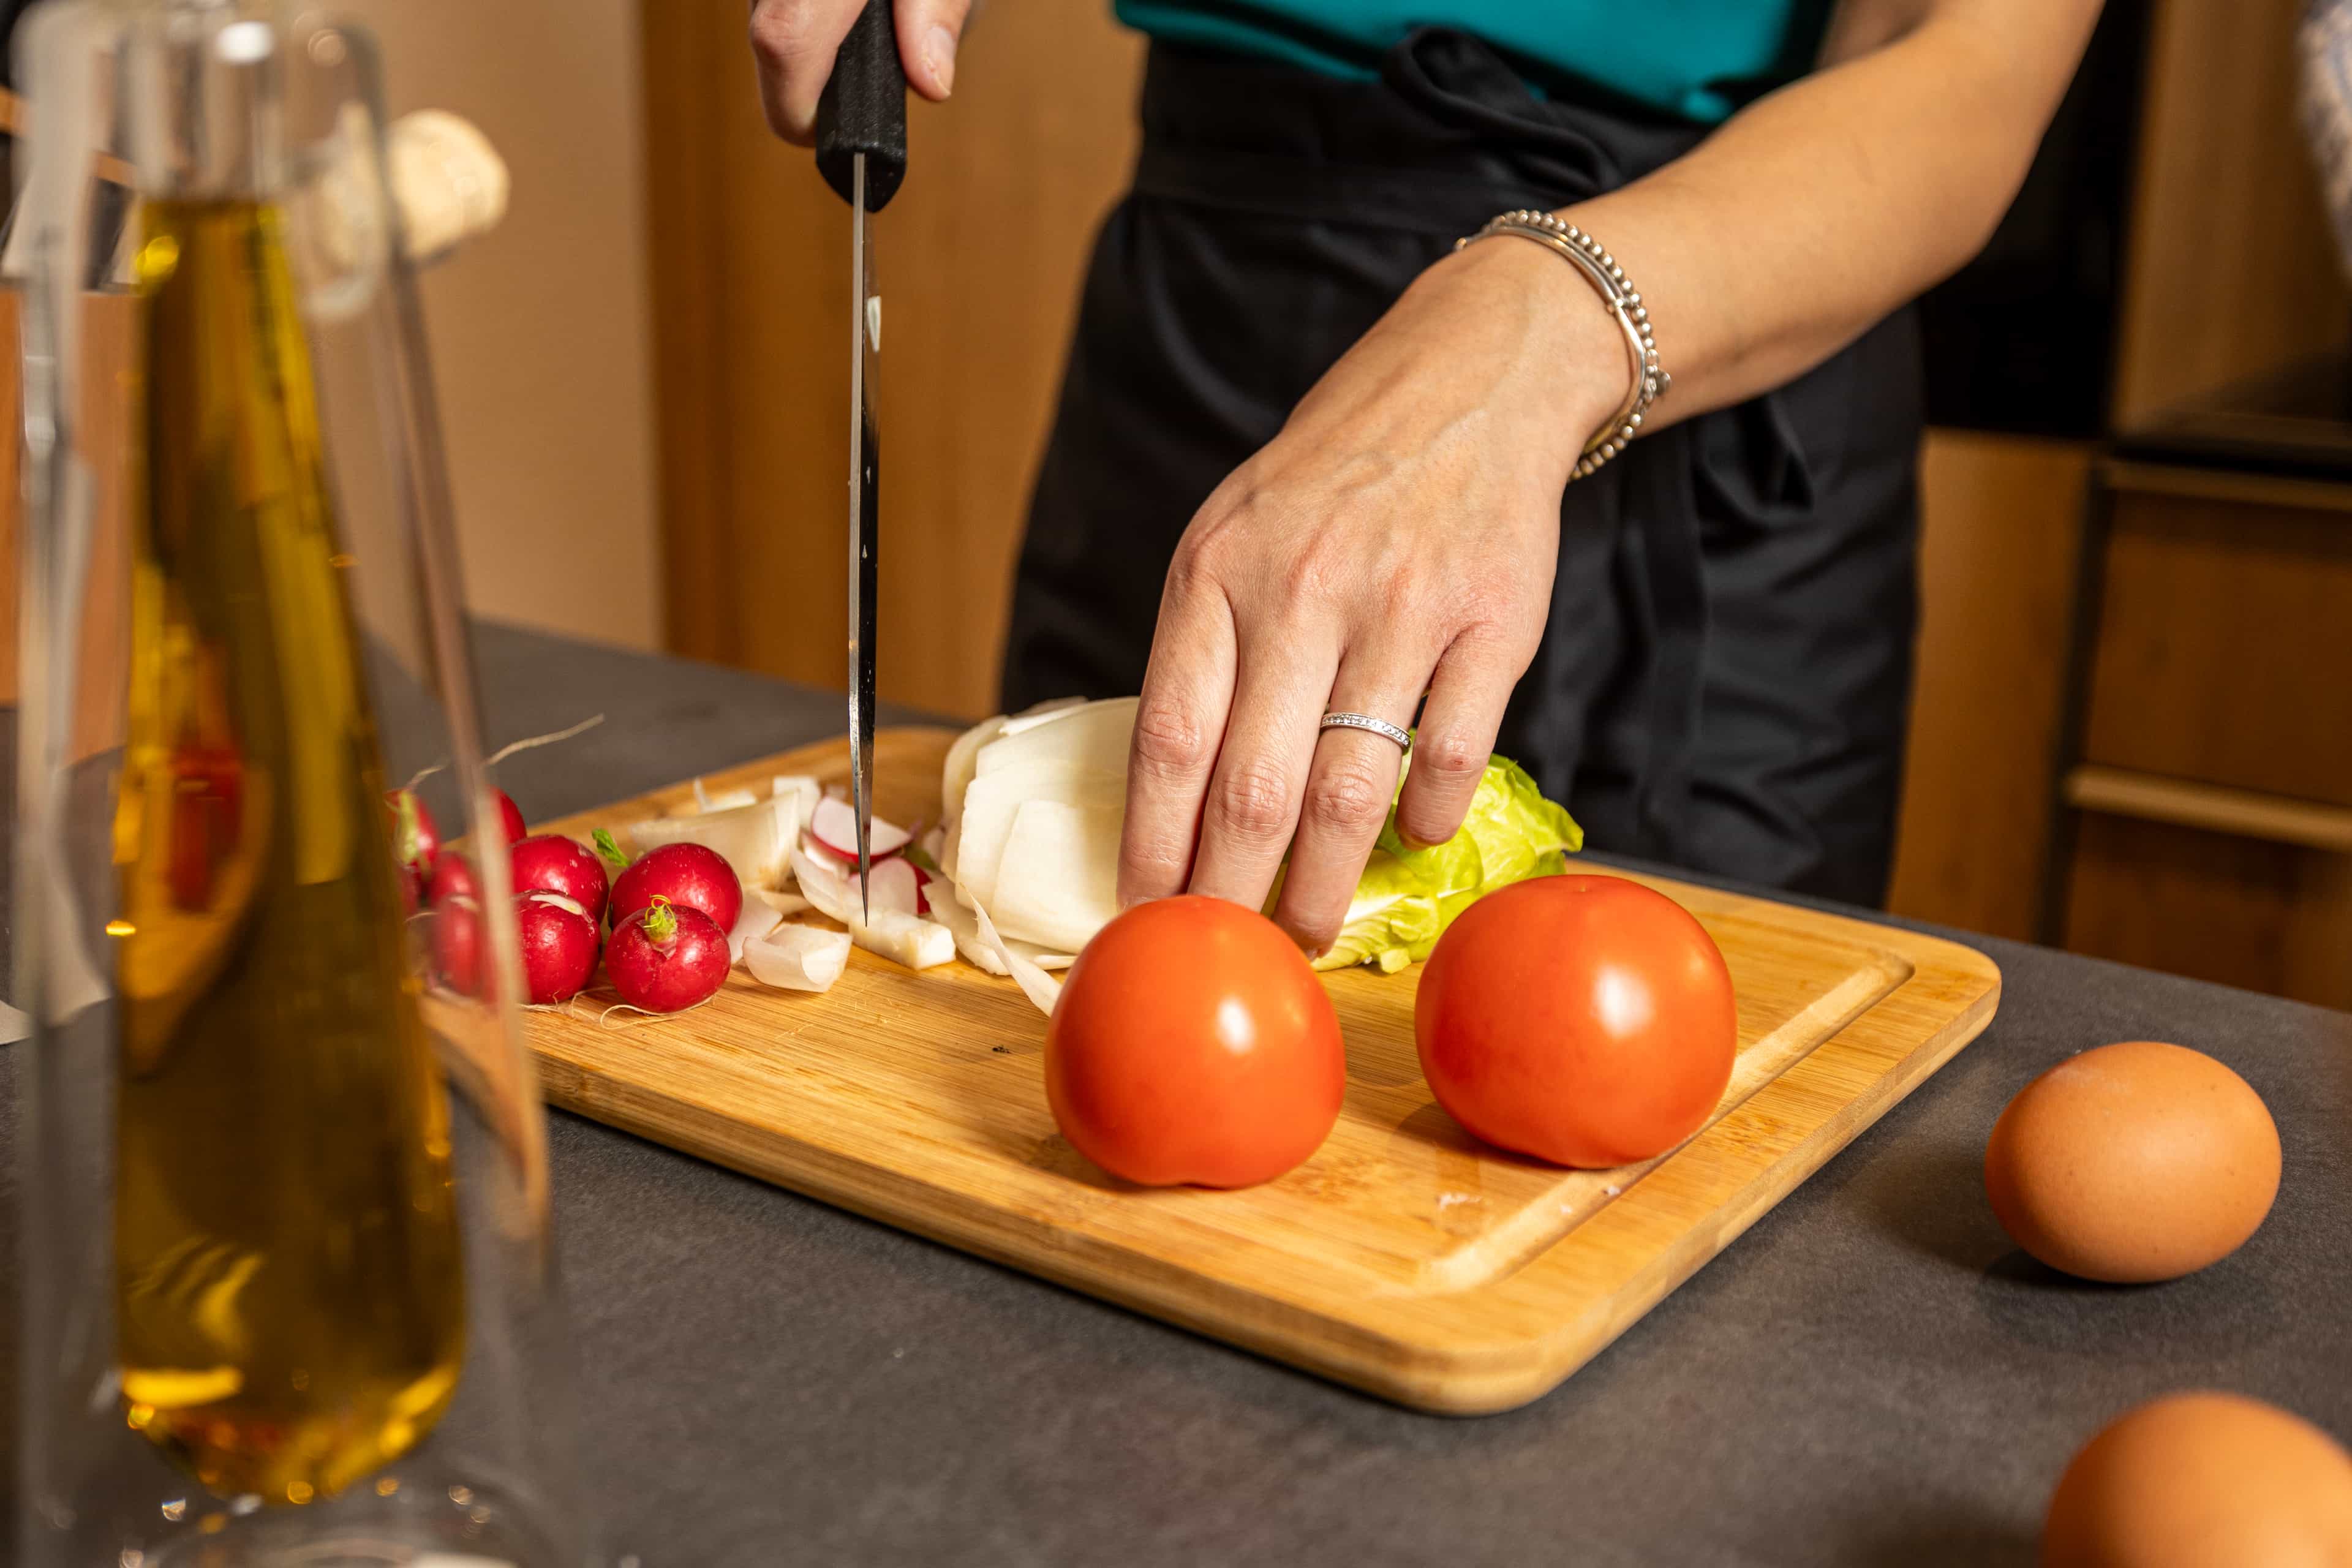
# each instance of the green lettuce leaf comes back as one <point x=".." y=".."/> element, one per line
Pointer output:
<point x="1407" y="896"/>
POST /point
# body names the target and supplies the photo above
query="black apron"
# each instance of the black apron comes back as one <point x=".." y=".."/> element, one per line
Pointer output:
<point x="1723" y="680"/>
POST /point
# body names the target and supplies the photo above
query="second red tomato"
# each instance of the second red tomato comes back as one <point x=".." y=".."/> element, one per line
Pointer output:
<point x="1585" y="1020"/>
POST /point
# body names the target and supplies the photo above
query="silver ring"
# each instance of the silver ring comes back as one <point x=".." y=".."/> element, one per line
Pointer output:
<point x="1380" y="727"/>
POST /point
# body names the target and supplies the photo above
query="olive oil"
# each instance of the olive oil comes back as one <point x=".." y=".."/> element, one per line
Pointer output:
<point x="289" y="1291"/>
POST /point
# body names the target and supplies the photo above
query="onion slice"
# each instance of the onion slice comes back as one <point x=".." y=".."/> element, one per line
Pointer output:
<point x="798" y="957"/>
<point x="755" y="839"/>
<point x="757" y="921"/>
<point x="1036" y="985"/>
<point x="959" y="918"/>
<point x="905" y="939"/>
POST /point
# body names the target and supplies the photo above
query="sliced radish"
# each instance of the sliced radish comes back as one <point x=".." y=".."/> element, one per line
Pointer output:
<point x="892" y="887"/>
<point x="798" y="957"/>
<point x="834" y="824"/>
<point x="756" y="920"/>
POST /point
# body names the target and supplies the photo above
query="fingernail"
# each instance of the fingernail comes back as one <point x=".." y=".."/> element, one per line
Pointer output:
<point x="939" y="58"/>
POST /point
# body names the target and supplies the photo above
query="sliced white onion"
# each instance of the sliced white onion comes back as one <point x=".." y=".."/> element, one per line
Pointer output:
<point x="755" y="839"/>
<point x="956" y="779"/>
<point x="1057" y="883"/>
<point x="903" y="939"/>
<point x="756" y="920"/>
<point x="1094" y="736"/>
<point x="1040" y="987"/>
<point x="952" y="913"/>
<point x="783" y="903"/>
<point x="993" y="801"/>
<point x="797" y="957"/>
<point x="802" y="788"/>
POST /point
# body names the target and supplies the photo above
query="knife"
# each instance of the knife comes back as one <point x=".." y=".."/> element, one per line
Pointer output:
<point x="861" y="150"/>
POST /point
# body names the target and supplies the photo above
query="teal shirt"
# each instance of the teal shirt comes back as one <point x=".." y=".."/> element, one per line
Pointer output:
<point x="1699" y="59"/>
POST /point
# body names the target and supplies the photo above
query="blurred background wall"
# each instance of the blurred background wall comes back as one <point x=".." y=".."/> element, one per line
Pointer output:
<point x="542" y="330"/>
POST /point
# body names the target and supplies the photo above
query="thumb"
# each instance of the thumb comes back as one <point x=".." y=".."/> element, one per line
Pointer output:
<point x="929" y="33"/>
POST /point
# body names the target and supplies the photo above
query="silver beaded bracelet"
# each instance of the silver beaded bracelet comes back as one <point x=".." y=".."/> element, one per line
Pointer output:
<point x="1625" y="303"/>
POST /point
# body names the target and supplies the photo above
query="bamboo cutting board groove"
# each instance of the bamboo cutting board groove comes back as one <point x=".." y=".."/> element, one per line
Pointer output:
<point x="1405" y="1257"/>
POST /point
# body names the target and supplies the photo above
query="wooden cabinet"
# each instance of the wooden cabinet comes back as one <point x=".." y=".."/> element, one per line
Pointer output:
<point x="2206" y="823"/>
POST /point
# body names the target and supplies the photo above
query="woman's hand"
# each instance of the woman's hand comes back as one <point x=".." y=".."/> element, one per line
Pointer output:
<point x="793" y="43"/>
<point x="1399" y="536"/>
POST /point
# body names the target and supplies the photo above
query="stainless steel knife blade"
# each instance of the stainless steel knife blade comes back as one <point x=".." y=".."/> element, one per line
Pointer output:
<point x="865" y="492"/>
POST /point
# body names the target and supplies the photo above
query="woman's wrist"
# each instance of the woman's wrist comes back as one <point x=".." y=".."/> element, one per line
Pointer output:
<point x="1575" y="353"/>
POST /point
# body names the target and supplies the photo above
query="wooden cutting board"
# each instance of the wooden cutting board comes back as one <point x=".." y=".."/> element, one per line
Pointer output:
<point x="1405" y="1257"/>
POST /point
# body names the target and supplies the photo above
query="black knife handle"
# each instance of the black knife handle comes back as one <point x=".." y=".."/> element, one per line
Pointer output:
<point x="864" y="110"/>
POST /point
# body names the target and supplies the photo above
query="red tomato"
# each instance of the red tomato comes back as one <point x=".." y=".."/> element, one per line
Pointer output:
<point x="1192" y="1044"/>
<point x="1584" y="1020"/>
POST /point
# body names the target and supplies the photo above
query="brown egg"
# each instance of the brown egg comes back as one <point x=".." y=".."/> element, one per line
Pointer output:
<point x="2203" y="1480"/>
<point x="2133" y="1163"/>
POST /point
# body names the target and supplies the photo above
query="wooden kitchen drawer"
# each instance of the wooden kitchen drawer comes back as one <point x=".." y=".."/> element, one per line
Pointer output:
<point x="2262" y="914"/>
<point x="2223" y="648"/>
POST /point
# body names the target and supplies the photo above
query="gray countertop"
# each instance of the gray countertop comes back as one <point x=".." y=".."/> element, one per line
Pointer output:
<point x="1871" y="1375"/>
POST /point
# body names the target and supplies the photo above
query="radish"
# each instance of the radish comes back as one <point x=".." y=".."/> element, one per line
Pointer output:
<point x="892" y="887"/>
<point x="687" y="875"/>
<point x="667" y="957"/>
<point x="510" y="817"/>
<point x="415" y="841"/>
<point x="458" y="941"/>
<point x="833" y="824"/>
<point x="560" y="865"/>
<point x="559" y="946"/>
<point x="453" y="878"/>
<point x="798" y="958"/>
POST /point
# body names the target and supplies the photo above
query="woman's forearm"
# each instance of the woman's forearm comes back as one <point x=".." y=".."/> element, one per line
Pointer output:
<point x="1819" y="209"/>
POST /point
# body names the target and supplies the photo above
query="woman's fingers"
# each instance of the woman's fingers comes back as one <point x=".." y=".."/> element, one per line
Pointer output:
<point x="1348" y="789"/>
<point x="1188" y="690"/>
<point x="929" y="31"/>
<point x="794" y="42"/>
<point x="1458" y="724"/>
<point x="1252" y="806"/>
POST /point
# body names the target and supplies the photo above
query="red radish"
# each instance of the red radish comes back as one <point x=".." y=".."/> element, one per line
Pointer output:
<point x="689" y="875"/>
<point x="560" y="865"/>
<point x="415" y="839"/>
<point x="453" y="878"/>
<point x="559" y="946"/>
<point x="833" y="824"/>
<point x="667" y="957"/>
<point x="923" y="892"/>
<point x="510" y="817"/>
<point x="457" y="941"/>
